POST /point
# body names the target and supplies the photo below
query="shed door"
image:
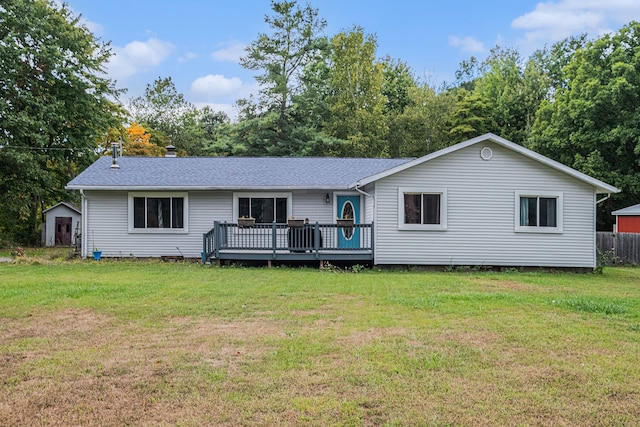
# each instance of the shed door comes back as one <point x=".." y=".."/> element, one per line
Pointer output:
<point x="349" y="208"/>
<point x="63" y="231"/>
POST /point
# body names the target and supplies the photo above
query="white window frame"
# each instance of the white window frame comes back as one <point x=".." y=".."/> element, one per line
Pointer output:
<point x="260" y="195"/>
<point x="539" y="229"/>
<point x="153" y="194"/>
<point x="422" y="227"/>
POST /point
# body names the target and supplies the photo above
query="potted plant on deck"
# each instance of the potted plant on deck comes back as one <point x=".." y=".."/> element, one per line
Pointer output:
<point x="246" y="222"/>
<point x="292" y="222"/>
<point x="344" y="222"/>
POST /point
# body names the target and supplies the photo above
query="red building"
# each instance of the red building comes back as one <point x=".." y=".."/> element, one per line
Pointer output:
<point x="627" y="219"/>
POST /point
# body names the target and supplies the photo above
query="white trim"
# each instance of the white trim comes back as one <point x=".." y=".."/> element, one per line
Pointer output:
<point x="73" y="208"/>
<point x="601" y="187"/>
<point x="423" y="227"/>
<point x="262" y="195"/>
<point x="538" y="229"/>
<point x="334" y="208"/>
<point x="629" y="210"/>
<point x="486" y="153"/>
<point x="154" y="194"/>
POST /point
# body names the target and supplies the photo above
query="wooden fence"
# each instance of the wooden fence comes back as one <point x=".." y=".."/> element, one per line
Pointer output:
<point x="624" y="248"/>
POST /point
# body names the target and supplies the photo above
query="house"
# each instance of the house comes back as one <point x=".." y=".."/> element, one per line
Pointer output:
<point x="62" y="223"/>
<point x="485" y="202"/>
<point x="627" y="220"/>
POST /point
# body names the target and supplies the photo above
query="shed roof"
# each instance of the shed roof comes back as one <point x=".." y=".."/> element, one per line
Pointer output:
<point x="208" y="173"/>
<point x="630" y="210"/>
<point x="65" y="204"/>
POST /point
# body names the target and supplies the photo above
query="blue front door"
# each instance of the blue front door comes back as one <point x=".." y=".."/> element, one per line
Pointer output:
<point x="349" y="207"/>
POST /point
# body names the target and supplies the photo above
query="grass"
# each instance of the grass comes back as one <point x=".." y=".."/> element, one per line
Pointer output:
<point x="150" y="343"/>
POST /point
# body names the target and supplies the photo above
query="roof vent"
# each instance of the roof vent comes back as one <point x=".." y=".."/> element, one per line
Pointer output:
<point x="171" y="151"/>
<point x="114" y="156"/>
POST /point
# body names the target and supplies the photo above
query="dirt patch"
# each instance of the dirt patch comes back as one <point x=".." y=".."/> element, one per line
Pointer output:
<point x="78" y="367"/>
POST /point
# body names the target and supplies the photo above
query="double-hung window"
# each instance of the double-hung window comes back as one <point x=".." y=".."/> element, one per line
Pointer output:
<point x="422" y="209"/>
<point x="158" y="212"/>
<point x="265" y="208"/>
<point x="541" y="213"/>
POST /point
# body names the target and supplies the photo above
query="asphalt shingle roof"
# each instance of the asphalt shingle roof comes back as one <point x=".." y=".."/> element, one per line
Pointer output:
<point x="230" y="172"/>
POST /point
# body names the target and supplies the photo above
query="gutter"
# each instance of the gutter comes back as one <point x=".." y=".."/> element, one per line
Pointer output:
<point x="603" y="199"/>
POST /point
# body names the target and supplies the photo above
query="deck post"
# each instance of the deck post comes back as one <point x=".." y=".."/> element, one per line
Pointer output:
<point x="274" y="239"/>
<point x="316" y="239"/>
<point x="204" y="247"/>
<point x="372" y="242"/>
<point x="216" y="238"/>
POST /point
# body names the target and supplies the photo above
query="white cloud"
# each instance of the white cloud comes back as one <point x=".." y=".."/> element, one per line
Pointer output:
<point x="138" y="56"/>
<point x="187" y="57"/>
<point x="216" y="85"/>
<point x="231" y="53"/>
<point x="467" y="44"/>
<point x="553" y="21"/>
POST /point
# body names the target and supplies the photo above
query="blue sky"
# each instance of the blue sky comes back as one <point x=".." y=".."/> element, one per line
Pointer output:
<point x="198" y="42"/>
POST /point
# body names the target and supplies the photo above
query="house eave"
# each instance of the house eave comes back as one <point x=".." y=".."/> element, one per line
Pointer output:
<point x="600" y="187"/>
<point x="203" y="188"/>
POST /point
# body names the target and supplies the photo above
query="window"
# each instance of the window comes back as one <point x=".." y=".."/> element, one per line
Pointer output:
<point x="422" y="210"/>
<point x="265" y="208"/>
<point x="539" y="213"/>
<point x="157" y="212"/>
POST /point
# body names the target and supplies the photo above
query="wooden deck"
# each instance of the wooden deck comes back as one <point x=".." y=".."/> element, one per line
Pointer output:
<point x="279" y="242"/>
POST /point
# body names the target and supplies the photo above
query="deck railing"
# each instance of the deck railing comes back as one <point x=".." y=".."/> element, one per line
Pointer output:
<point x="272" y="241"/>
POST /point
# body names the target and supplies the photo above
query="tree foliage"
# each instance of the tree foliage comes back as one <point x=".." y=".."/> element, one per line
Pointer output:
<point x="54" y="107"/>
<point x="170" y="118"/>
<point x="356" y="102"/>
<point x="593" y="121"/>
<point x="283" y="55"/>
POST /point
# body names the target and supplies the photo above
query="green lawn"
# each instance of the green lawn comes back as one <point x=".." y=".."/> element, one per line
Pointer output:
<point x="149" y="343"/>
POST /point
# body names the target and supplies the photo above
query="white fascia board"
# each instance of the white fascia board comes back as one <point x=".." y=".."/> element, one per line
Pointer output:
<point x="630" y="210"/>
<point x="601" y="187"/>
<point x="198" y="188"/>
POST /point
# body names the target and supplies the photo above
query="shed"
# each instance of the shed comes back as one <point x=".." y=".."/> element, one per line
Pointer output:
<point x="627" y="219"/>
<point x="62" y="223"/>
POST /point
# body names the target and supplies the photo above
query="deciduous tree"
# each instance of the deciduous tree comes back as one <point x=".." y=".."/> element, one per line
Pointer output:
<point x="356" y="102"/>
<point x="55" y="104"/>
<point x="592" y="123"/>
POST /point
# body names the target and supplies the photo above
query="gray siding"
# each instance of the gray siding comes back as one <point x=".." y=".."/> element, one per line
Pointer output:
<point x="107" y="222"/>
<point x="312" y="205"/>
<point x="481" y="214"/>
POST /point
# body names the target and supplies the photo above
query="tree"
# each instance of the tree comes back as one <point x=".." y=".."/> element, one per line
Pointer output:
<point x="592" y="123"/>
<point x="283" y="55"/>
<point x="356" y="102"/>
<point x="55" y="104"/>
<point x="170" y="118"/>
<point x="499" y="95"/>
<point x="422" y="127"/>
<point x="138" y="143"/>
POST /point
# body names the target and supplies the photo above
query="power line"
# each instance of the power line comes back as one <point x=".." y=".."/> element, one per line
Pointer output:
<point x="2" y="147"/>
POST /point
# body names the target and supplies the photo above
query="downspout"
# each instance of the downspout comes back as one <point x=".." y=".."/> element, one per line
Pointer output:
<point x="595" y="243"/>
<point x="85" y="219"/>
<point x="375" y="213"/>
